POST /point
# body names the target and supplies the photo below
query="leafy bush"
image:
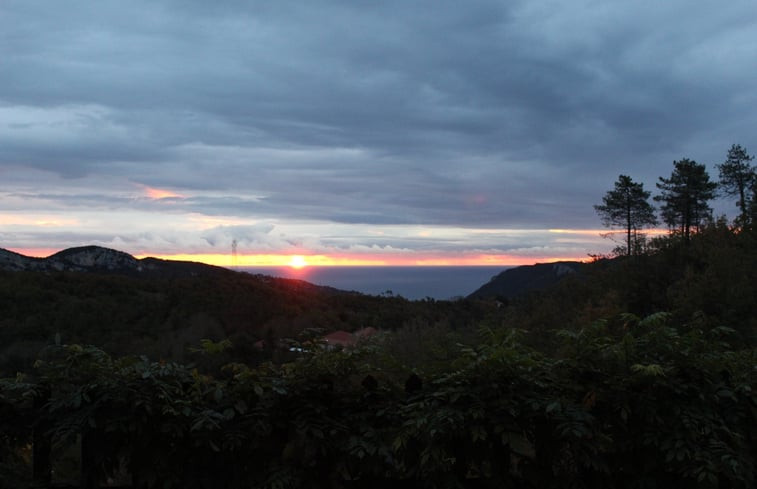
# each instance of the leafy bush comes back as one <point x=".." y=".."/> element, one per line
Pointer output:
<point x="625" y="403"/>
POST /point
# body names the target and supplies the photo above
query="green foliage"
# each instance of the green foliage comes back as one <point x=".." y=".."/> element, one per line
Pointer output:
<point x="626" y="402"/>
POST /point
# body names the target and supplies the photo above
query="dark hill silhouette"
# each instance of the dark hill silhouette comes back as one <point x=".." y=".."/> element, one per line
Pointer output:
<point x="97" y="259"/>
<point x="520" y="280"/>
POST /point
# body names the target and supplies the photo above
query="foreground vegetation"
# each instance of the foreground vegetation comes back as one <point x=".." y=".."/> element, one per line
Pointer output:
<point x="626" y="402"/>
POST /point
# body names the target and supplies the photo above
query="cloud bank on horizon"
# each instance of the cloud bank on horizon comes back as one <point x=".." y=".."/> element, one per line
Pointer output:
<point x="429" y="128"/>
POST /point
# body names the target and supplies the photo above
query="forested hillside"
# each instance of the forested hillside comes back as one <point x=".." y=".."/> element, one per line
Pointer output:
<point x="164" y="317"/>
<point x="707" y="282"/>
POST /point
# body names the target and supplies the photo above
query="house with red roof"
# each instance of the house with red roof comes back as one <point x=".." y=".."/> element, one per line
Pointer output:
<point x="340" y="338"/>
<point x="345" y="339"/>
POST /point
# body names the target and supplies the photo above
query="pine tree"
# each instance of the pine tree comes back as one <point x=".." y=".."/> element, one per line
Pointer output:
<point x="737" y="178"/>
<point x="685" y="195"/>
<point x="627" y="205"/>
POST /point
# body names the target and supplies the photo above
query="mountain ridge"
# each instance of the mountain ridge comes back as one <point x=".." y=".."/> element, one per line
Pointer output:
<point x="508" y="284"/>
<point x="98" y="259"/>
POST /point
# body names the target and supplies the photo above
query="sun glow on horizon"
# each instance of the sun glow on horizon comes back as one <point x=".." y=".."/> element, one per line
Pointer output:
<point x="298" y="261"/>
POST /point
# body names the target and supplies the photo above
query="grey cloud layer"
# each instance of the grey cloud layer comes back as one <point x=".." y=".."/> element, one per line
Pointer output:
<point x="482" y="113"/>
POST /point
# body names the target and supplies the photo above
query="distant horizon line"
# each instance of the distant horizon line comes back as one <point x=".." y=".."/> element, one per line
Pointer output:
<point x="303" y="259"/>
<point x="232" y="267"/>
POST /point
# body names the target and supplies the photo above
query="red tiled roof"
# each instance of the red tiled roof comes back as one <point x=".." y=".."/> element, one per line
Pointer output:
<point x="342" y="338"/>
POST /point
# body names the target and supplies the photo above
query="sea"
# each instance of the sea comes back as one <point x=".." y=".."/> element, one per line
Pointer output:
<point x="415" y="283"/>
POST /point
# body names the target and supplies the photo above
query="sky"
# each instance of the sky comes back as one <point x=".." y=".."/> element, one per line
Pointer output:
<point x="355" y="132"/>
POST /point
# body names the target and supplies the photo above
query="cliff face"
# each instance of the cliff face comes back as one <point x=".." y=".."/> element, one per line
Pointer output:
<point x="82" y="259"/>
<point x="93" y="257"/>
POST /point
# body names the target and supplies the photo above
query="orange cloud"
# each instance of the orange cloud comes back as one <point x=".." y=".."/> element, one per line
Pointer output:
<point x="159" y="193"/>
<point x="38" y="220"/>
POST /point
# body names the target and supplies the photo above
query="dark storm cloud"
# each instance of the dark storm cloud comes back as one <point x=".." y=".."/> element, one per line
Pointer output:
<point x="480" y="113"/>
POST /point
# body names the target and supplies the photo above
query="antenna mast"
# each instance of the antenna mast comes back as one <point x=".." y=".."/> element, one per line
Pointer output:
<point x="234" y="258"/>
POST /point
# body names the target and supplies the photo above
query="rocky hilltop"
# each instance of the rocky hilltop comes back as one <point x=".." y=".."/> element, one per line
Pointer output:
<point x="97" y="259"/>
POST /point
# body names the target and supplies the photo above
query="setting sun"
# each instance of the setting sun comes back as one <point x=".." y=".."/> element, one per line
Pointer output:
<point x="297" y="261"/>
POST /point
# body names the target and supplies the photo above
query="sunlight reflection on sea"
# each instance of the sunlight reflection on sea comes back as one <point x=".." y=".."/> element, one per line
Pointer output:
<point x="409" y="282"/>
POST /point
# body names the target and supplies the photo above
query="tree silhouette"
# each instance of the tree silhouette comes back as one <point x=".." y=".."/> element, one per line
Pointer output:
<point x="685" y="195"/>
<point x="737" y="177"/>
<point x="627" y="205"/>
